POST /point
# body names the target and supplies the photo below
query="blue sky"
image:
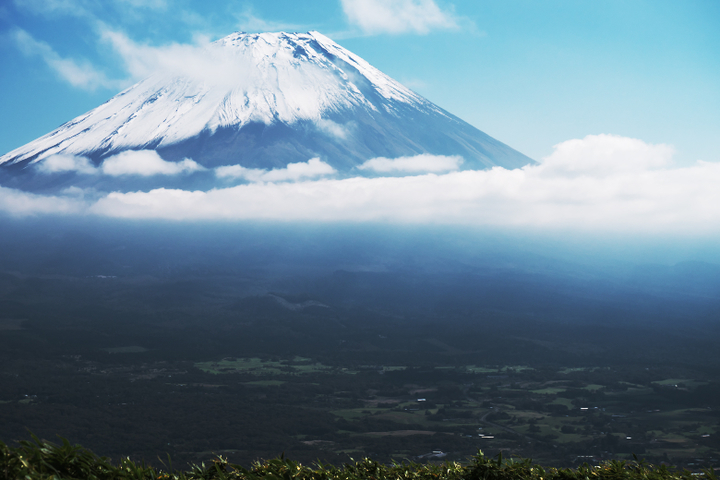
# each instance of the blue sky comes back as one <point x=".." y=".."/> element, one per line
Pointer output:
<point x="532" y="74"/>
<point x="617" y="100"/>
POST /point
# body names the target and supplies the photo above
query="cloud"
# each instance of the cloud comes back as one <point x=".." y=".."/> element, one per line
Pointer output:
<point x="294" y="171"/>
<point x="249" y="22"/>
<point x="601" y="155"/>
<point x="418" y="163"/>
<point x="66" y="163"/>
<point x="144" y="4"/>
<point x="398" y="16"/>
<point x="203" y="61"/>
<point x="75" y="8"/>
<point x="22" y="204"/>
<point x="415" y="84"/>
<point x="332" y="129"/>
<point x="145" y="163"/>
<point x="141" y="61"/>
<point x="130" y="162"/>
<point x="200" y="59"/>
<point x="89" y="193"/>
<point x="88" y="9"/>
<point x="79" y="74"/>
<point x="601" y="183"/>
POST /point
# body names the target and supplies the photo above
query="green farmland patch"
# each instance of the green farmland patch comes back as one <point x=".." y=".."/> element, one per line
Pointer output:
<point x="476" y="369"/>
<point x="131" y="349"/>
<point x="679" y="382"/>
<point x="563" y="401"/>
<point x="257" y="366"/>
<point x="266" y="383"/>
<point x="515" y="369"/>
<point x="568" y="370"/>
<point x="549" y="391"/>
<point x="395" y="368"/>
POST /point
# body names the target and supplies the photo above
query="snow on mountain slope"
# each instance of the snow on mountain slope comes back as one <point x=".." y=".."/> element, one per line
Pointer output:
<point x="267" y="100"/>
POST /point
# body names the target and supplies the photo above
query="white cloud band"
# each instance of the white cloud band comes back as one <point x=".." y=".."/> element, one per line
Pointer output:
<point x="145" y="163"/>
<point x="398" y="16"/>
<point x="415" y="164"/>
<point x="21" y="204"/>
<point x="601" y="183"/>
<point x="294" y="171"/>
<point x="131" y="162"/>
<point x="66" y="163"/>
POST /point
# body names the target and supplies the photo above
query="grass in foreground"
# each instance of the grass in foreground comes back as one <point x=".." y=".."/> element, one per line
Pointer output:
<point x="39" y="459"/>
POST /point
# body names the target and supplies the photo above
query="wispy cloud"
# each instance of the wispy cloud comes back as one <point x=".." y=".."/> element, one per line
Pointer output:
<point x="332" y="129"/>
<point x="79" y="73"/>
<point x="419" y="163"/>
<point x="145" y="163"/>
<point x="294" y="171"/>
<point x="75" y="8"/>
<point x="22" y="204"/>
<point x="67" y="163"/>
<point x="131" y="162"/>
<point x="140" y="60"/>
<point x="110" y="22"/>
<point x="415" y="84"/>
<point x="86" y="8"/>
<point x="249" y="22"/>
<point x="143" y="60"/>
<point x="399" y="16"/>
<point x="145" y="4"/>
<point x="202" y="61"/>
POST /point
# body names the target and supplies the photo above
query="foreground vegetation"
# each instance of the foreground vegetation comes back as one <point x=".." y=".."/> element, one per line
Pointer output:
<point x="39" y="459"/>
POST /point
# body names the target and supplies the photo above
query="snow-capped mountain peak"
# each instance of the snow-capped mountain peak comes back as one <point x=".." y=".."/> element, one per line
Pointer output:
<point x="264" y="101"/>
<point x="255" y="78"/>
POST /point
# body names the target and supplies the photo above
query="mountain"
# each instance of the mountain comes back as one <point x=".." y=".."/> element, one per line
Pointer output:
<point x="264" y="101"/>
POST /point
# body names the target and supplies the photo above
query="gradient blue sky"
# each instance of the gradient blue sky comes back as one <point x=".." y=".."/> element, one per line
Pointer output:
<point x="532" y="74"/>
